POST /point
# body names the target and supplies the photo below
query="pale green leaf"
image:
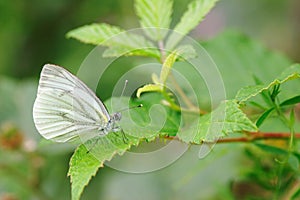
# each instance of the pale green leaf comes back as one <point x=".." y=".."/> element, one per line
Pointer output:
<point x="119" y="41"/>
<point x="167" y="65"/>
<point x="84" y="165"/>
<point x="247" y="92"/>
<point x="155" y="79"/>
<point x="195" y="13"/>
<point x="117" y="51"/>
<point x="186" y="52"/>
<point x="225" y="119"/>
<point x="148" y="88"/>
<point x="95" y="34"/>
<point x="155" y="17"/>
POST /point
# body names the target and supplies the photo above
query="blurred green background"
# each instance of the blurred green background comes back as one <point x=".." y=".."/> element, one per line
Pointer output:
<point x="33" y="33"/>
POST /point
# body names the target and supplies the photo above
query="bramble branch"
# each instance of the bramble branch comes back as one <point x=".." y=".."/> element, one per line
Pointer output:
<point x="251" y="136"/>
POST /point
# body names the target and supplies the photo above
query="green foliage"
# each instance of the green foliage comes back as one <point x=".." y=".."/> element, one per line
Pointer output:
<point x="246" y="93"/>
<point x="30" y="169"/>
<point x="84" y="164"/>
<point x="95" y="33"/>
<point x="196" y="12"/>
<point x="119" y="42"/>
<point x="263" y="117"/>
<point x="155" y="17"/>
<point x="149" y="88"/>
<point x="292" y="101"/>
<point x="25" y="166"/>
<point x="268" y="172"/>
<point x="91" y="155"/>
<point x="160" y="82"/>
<point x="161" y="114"/>
<point x="235" y="53"/>
<point x="166" y="67"/>
<point x="224" y="120"/>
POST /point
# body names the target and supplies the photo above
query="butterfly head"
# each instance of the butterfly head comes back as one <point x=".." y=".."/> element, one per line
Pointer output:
<point x="116" y="116"/>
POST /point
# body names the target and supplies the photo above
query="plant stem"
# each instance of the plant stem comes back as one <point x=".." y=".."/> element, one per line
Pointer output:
<point x="253" y="136"/>
<point x="162" y="51"/>
<point x="186" y="100"/>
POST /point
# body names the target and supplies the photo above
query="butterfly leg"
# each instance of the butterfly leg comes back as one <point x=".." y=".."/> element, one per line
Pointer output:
<point x="124" y="137"/>
<point x="95" y="142"/>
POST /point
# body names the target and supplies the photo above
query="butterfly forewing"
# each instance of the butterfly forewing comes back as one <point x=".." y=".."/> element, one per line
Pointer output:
<point x="65" y="108"/>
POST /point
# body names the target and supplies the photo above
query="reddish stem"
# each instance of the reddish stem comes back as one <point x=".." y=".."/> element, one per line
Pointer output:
<point x="252" y="136"/>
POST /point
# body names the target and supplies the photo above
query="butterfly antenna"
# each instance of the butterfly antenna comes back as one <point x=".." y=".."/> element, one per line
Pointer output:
<point x="123" y="90"/>
<point x="132" y="107"/>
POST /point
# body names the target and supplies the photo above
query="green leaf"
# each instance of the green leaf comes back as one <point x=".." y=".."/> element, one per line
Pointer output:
<point x="155" y="17"/>
<point x="293" y="158"/>
<point x="117" y="51"/>
<point x="152" y="119"/>
<point x="195" y="13"/>
<point x="119" y="41"/>
<point x="155" y="79"/>
<point x="186" y="52"/>
<point x="271" y="149"/>
<point x="296" y="194"/>
<point x="236" y="53"/>
<point x="167" y="65"/>
<point x="294" y="162"/>
<point x="291" y="101"/>
<point x="225" y="119"/>
<point x="148" y="88"/>
<point x="138" y="124"/>
<point x="263" y="117"/>
<point x="84" y="165"/>
<point x="95" y="34"/>
<point x="247" y="92"/>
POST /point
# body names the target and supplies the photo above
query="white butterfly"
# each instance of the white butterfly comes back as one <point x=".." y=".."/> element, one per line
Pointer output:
<point x="66" y="109"/>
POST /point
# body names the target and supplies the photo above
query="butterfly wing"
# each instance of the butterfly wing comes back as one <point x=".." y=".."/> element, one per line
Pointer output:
<point x="65" y="108"/>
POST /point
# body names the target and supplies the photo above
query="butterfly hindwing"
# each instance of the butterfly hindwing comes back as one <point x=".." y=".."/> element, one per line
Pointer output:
<point x="66" y="108"/>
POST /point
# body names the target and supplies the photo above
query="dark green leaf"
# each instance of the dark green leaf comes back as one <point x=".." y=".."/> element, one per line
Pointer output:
<point x="293" y="162"/>
<point x="291" y="101"/>
<point x="275" y="92"/>
<point x="263" y="117"/>
<point x="271" y="149"/>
